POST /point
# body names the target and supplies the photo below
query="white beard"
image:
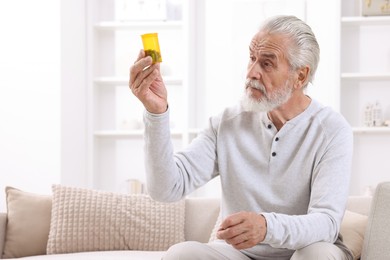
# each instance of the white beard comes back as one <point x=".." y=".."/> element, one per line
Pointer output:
<point x="267" y="102"/>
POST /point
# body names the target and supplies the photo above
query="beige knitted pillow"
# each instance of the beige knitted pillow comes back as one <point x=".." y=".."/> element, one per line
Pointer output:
<point x="92" y="220"/>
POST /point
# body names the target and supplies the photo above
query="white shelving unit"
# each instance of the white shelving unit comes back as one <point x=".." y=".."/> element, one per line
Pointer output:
<point x="138" y="25"/>
<point x="365" y="64"/>
<point x="114" y="127"/>
<point x="371" y="130"/>
<point x="365" y="20"/>
<point x="365" y="78"/>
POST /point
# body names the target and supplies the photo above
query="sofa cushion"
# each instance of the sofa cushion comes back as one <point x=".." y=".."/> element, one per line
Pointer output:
<point x="103" y="255"/>
<point x="352" y="229"/>
<point x="92" y="220"/>
<point x="28" y="223"/>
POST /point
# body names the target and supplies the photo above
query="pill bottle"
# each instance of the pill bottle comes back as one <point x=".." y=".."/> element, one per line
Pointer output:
<point x="152" y="46"/>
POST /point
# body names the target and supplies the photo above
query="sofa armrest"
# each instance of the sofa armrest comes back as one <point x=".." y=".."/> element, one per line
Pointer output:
<point x="376" y="238"/>
<point x="3" y="223"/>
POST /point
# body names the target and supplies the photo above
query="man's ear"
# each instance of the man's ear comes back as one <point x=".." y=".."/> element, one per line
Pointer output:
<point x="303" y="77"/>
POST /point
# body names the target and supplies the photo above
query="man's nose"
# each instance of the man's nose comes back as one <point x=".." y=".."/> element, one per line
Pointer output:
<point x="254" y="71"/>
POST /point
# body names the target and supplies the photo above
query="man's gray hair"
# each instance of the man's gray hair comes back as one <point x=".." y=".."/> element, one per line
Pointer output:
<point x="305" y="50"/>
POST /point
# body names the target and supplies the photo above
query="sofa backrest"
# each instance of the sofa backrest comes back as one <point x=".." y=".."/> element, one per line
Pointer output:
<point x="359" y="204"/>
<point x="201" y="216"/>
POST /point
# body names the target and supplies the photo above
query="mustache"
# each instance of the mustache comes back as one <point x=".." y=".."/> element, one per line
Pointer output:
<point x="251" y="83"/>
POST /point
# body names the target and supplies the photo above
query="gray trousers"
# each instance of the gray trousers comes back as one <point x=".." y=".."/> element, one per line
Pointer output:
<point x="192" y="250"/>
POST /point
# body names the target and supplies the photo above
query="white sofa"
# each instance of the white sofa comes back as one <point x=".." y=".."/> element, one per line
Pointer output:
<point x="201" y="215"/>
<point x="199" y="212"/>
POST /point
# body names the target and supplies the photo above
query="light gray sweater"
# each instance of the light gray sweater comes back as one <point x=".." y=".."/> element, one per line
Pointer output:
<point x="298" y="177"/>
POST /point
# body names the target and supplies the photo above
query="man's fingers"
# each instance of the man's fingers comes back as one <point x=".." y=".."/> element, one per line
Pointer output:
<point x="231" y="231"/>
<point x="247" y="243"/>
<point x="147" y="81"/>
<point x="138" y="67"/>
<point x="234" y="231"/>
<point x="143" y="77"/>
<point x="243" y="229"/>
<point x="243" y="240"/>
<point x="237" y="239"/>
<point x="232" y="220"/>
<point x="141" y="54"/>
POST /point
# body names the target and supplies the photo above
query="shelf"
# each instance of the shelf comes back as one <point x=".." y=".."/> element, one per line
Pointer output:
<point x="366" y="76"/>
<point x="123" y="81"/>
<point x="371" y="130"/>
<point x="128" y="134"/>
<point x="136" y="25"/>
<point x="138" y="133"/>
<point x="194" y="131"/>
<point x="119" y="134"/>
<point x="366" y="20"/>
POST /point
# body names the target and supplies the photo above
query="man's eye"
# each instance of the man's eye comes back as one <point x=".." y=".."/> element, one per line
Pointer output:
<point x="252" y="58"/>
<point x="267" y="64"/>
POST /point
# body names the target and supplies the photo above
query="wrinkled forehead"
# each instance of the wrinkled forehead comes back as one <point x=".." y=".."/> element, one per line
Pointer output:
<point x="269" y="43"/>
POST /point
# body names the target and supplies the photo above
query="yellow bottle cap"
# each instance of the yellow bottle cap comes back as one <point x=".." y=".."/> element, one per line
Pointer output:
<point x="151" y="46"/>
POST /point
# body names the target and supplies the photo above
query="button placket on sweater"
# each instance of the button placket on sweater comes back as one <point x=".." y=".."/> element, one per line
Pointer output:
<point x="274" y="141"/>
<point x="274" y="146"/>
<point x="277" y="139"/>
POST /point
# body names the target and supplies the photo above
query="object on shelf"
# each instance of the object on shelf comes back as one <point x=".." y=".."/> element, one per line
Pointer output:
<point x="135" y="186"/>
<point x="174" y="10"/>
<point x="142" y="10"/>
<point x="373" y="115"/>
<point x="375" y="7"/>
<point x="368" y="115"/>
<point x="377" y="114"/>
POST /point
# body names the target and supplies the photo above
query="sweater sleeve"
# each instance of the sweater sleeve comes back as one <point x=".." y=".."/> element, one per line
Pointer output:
<point x="329" y="192"/>
<point x="172" y="175"/>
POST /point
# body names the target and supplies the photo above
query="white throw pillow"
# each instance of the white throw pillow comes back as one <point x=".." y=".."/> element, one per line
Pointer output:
<point x="352" y="229"/>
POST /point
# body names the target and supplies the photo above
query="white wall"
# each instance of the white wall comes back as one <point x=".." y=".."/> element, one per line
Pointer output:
<point x="74" y="102"/>
<point x="29" y="95"/>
